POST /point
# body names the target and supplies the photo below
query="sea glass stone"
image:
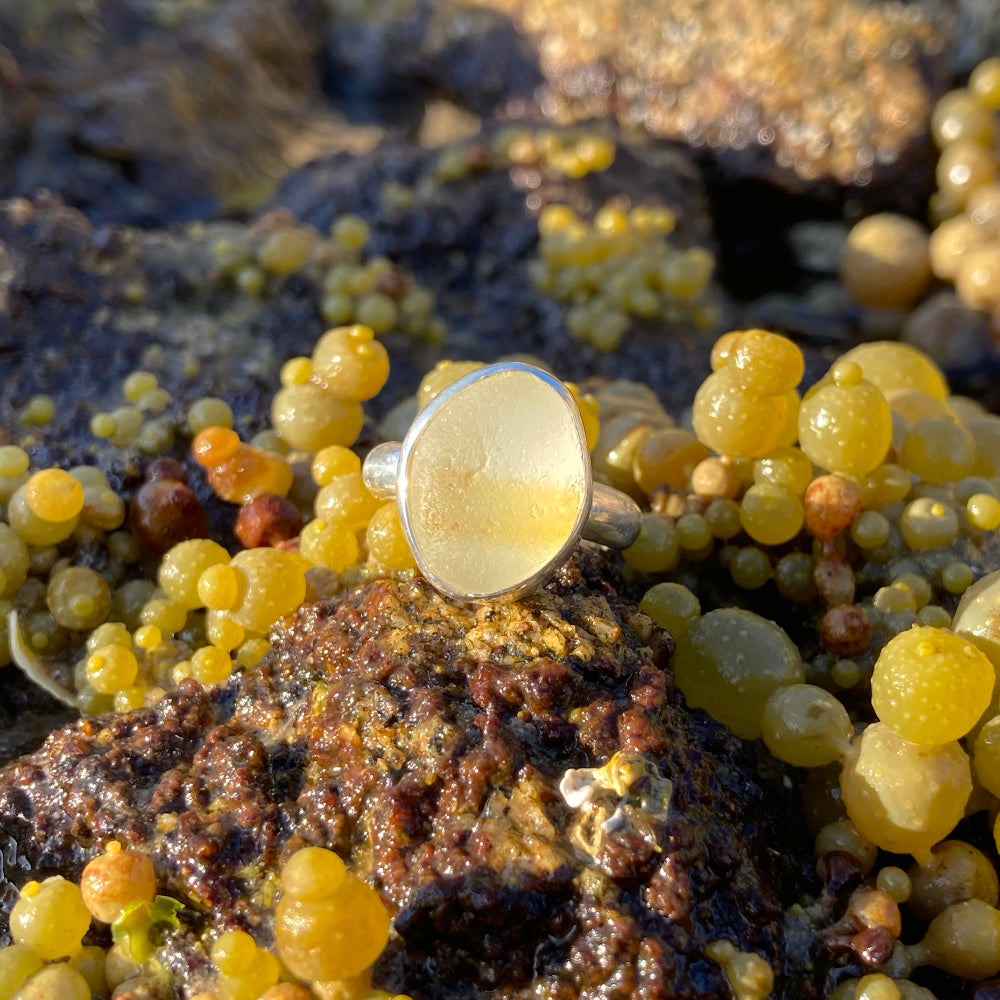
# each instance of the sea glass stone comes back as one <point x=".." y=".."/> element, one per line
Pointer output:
<point x="496" y="482"/>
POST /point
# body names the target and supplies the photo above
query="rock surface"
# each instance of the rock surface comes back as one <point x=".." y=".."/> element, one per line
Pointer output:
<point x="427" y="742"/>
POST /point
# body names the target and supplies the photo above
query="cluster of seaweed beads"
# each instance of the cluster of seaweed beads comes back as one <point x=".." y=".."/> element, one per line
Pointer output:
<point x="572" y="153"/>
<point x="142" y="422"/>
<point x="319" y="403"/>
<point x="239" y="472"/>
<point x="965" y="246"/>
<point x="749" y="404"/>
<point x="619" y="266"/>
<point x="47" y="957"/>
<point x="47" y="511"/>
<point x="906" y="781"/>
<point x="246" y="971"/>
<point x="329" y="925"/>
<point x="373" y="291"/>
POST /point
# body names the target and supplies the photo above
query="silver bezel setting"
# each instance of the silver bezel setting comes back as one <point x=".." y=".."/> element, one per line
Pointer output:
<point x="417" y="428"/>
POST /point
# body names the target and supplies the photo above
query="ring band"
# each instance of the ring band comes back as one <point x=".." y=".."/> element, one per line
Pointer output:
<point x="494" y="486"/>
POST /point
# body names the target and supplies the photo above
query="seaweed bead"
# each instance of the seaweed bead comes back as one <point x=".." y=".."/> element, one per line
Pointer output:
<point x="734" y="421"/>
<point x="806" y="726"/>
<point x="275" y="586"/>
<point x="886" y="262"/>
<point x="892" y="366"/>
<point x="50" y="918"/>
<point x="730" y="662"/>
<point x="329" y="925"/>
<point x="310" y="417"/>
<point x="350" y="363"/>
<point x="931" y="686"/>
<point x="903" y="797"/>
<point x="845" y="424"/>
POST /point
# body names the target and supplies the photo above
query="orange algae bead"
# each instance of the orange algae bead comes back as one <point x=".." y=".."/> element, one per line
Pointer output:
<point x="214" y="445"/>
<point x="54" y="495"/>
<point x="238" y="472"/>
<point x="115" y="879"/>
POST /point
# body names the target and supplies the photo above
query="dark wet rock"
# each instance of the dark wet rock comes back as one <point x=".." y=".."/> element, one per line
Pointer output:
<point x="426" y="742"/>
<point x="83" y="305"/>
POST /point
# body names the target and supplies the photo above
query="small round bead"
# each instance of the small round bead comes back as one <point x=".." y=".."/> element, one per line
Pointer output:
<point x="870" y="529"/>
<point x="333" y="461"/>
<point x="252" y="652"/>
<point x="351" y="232"/>
<point x="793" y="576"/>
<point x="895" y="882"/>
<point x="211" y="665"/>
<point x="168" y="616"/>
<point x="723" y="516"/>
<point x="983" y="512"/>
<point x="219" y="587"/>
<point x="386" y="541"/>
<point x="182" y="567"/>
<point x="771" y="514"/>
<point x="350" y="362"/>
<point x="208" y="412"/>
<point x="111" y="668"/>
<point x="296" y="371"/>
<point x="927" y="523"/>
<point x="845" y="674"/>
<point x="114" y="880"/>
<point x="148" y="637"/>
<point x="222" y="631"/>
<point x="13" y="460"/>
<point x="657" y="549"/>
<point x="103" y="425"/>
<point x="165" y="512"/>
<point x="38" y="411"/>
<point x="138" y="384"/>
<point x="329" y="544"/>
<point x="956" y="577"/>
<point x="286" y="250"/>
<point x="79" y="598"/>
<point x="886" y="262"/>
<point x="750" y="568"/>
<point x="54" y="495"/>
<point x="984" y="83"/>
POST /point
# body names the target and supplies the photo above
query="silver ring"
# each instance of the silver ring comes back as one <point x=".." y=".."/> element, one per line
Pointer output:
<point x="494" y="485"/>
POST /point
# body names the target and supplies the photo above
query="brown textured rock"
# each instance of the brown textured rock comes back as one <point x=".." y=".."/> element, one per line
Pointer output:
<point x="426" y="742"/>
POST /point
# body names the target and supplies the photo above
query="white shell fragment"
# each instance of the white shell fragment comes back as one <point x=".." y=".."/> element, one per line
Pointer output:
<point x="495" y="482"/>
<point x="629" y="789"/>
<point x="32" y="666"/>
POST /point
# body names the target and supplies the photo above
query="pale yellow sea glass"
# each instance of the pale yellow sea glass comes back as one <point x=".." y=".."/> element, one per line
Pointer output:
<point x="497" y="484"/>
